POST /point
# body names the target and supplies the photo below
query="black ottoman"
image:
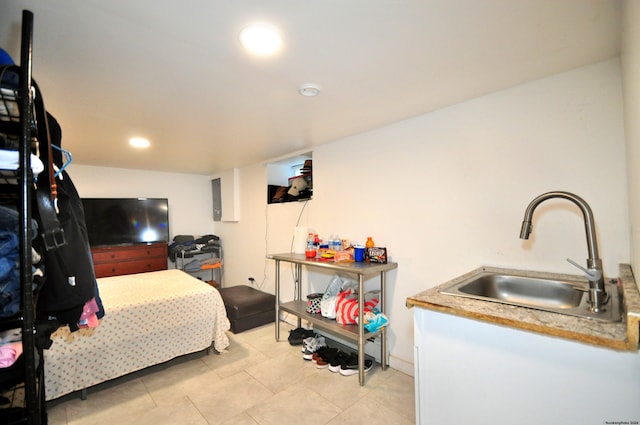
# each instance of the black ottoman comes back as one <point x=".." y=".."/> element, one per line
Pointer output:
<point x="247" y="307"/>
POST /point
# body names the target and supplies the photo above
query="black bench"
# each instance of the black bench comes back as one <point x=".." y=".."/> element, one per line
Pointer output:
<point x="247" y="307"/>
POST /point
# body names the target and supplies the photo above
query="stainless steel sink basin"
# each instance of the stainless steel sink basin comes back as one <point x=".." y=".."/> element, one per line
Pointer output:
<point x="557" y="296"/>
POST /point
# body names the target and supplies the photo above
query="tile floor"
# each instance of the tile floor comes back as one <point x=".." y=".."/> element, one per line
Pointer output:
<point x="257" y="381"/>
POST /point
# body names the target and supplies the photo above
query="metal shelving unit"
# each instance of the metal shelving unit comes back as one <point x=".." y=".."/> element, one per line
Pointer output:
<point x="33" y="411"/>
<point x="213" y="252"/>
<point x="354" y="333"/>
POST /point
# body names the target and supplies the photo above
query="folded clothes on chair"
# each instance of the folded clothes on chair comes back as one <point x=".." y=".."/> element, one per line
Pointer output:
<point x="197" y="265"/>
<point x="193" y="266"/>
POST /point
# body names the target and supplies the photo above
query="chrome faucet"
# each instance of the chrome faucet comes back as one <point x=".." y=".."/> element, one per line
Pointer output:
<point x="597" y="294"/>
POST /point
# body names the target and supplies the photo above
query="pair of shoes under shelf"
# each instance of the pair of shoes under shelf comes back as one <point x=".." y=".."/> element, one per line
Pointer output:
<point x="338" y="360"/>
<point x="323" y="356"/>
<point x="350" y="365"/>
<point x="311" y="345"/>
<point x="298" y="335"/>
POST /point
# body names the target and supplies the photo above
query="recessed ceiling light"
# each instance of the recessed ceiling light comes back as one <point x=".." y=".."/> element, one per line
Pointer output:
<point x="139" y="142"/>
<point x="261" y="39"/>
<point x="309" y="90"/>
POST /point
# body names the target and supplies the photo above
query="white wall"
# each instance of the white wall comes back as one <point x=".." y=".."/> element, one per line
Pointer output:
<point x="631" y="82"/>
<point x="190" y="204"/>
<point x="445" y="192"/>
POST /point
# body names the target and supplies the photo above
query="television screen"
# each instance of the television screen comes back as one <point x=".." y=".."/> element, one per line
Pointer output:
<point x="119" y="221"/>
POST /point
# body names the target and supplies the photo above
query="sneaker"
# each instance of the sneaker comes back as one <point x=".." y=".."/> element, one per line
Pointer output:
<point x="320" y="352"/>
<point x="307" y="343"/>
<point x="298" y="335"/>
<point x="338" y="360"/>
<point x="312" y="345"/>
<point x="324" y="356"/>
<point x="350" y="366"/>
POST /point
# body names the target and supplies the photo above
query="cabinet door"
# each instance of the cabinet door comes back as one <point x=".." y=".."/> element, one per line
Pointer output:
<point x="228" y="202"/>
<point x="217" y="199"/>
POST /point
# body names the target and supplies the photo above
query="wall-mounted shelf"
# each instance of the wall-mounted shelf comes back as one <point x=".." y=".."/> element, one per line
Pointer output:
<point x="290" y="179"/>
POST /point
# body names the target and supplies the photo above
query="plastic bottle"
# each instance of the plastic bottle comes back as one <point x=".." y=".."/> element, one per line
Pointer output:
<point x="370" y="243"/>
<point x="337" y="243"/>
<point x="310" y="251"/>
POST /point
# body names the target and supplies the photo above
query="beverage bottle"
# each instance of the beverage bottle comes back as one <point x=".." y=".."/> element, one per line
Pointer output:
<point x="368" y="244"/>
<point x="310" y="251"/>
<point x="337" y="243"/>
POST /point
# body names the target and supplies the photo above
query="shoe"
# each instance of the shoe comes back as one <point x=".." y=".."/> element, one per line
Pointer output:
<point x="312" y="345"/>
<point x="338" y="360"/>
<point x="298" y="335"/>
<point x="350" y="366"/>
<point x="324" y="356"/>
<point x="322" y="351"/>
<point x="307" y="342"/>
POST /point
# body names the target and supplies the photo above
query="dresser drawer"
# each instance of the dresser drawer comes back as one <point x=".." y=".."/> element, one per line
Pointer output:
<point x="130" y="267"/>
<point x="107" y="255"/>
<point x="129" y="259"/>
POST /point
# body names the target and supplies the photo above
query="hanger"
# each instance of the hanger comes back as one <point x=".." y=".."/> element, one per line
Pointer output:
<point x="68" y="159"/>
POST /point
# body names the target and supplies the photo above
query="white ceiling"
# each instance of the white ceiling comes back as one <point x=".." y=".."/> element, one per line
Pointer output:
<point x="174" y="71"/>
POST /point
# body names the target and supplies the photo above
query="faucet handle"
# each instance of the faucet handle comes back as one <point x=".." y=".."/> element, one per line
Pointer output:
<point x="591" y="274"/>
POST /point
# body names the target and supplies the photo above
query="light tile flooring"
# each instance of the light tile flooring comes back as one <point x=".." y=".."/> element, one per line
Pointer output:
<point x="257" y="381"/>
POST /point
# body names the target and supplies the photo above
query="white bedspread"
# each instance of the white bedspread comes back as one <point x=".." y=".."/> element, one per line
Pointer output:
<point x="150" y="318"/>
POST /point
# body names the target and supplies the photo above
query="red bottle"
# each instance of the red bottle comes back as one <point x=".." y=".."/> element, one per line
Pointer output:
<point x="310" y="251"/>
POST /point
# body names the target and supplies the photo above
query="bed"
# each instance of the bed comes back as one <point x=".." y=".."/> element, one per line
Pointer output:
<point x="150" y="318"/>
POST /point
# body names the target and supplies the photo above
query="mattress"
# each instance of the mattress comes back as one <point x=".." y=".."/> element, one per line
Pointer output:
<point x="150" y="318"/>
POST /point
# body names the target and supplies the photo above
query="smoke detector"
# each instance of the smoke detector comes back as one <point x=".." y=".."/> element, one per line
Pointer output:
<point x="309" y="90"/>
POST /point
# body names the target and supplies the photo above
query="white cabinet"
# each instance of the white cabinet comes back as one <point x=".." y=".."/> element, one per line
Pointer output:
<point x="471" y="372"/>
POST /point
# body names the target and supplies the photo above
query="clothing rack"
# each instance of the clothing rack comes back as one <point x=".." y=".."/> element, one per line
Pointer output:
<point x="33" y="411"/>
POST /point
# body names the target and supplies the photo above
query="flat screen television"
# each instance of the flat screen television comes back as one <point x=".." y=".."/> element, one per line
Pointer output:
<point x="121" y="221"/>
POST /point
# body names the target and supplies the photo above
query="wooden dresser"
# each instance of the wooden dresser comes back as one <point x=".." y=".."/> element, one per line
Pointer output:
<point x="129" y="259"/>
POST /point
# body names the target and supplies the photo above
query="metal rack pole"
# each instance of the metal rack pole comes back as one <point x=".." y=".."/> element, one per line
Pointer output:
<point x="32" y="397"/>
<point x="277" y="307"/>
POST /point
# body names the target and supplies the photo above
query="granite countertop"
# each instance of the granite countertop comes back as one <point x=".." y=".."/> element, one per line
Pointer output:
<point x="622" y="335"/>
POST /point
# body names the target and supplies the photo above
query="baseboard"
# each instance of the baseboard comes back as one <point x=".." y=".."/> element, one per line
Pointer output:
<point x="401" y="365"/>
